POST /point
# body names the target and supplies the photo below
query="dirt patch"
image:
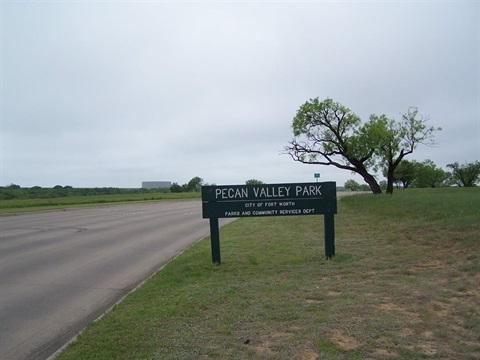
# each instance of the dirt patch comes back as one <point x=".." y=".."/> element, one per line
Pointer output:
<point x="440" y="309"/>
<point x="306" y="352"/>
<point x="385" y="352"/>
<point x="269" y="342"/>
<point x="343" y="341"/>
<point x="334" y="293"/>
<point x="264" y="347"/>
<point x="408" y="316"/>
<point x="390" y="307"/>
<point x="406" y="332"/>
<point x="428" y="349"/>
<point x="427" y="334"/>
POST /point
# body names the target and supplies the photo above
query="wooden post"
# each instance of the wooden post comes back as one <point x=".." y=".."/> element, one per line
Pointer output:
<point x="215" y="240"/>
<point x="329" y="236"/>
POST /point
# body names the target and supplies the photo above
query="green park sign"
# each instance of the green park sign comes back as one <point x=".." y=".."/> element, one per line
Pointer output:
<point x="231" y="201"/>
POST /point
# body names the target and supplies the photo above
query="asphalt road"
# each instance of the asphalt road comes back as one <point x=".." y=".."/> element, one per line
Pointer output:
<point x="60" y="270"/>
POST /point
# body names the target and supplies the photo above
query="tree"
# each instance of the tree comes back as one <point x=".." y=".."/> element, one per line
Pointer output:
<point x="399" y="139"/>
<point x="176" y="188"/>
<point x="405" y="173"/>
<point x="351" y="185"/>
<point x="253" y="182"/>
<point x="12" y="191"/>
<point x="195" y="184"/>
<point x="429" y="175"/>
<point x="328" y="133"/>
<point x="465" y="175"/>
<point x="383" y="185"/>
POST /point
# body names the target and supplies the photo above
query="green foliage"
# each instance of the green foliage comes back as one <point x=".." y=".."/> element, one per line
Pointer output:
<point x="383" y="185"/>
<point x="315" y="114"/>
<point x="195" y="184"/>
<point x="176" y="188"/>
<point x="15" y="192"/>
<point x="429" y="175"/>
<point x="328" y="133"/>
<point x="467" y="174"/>
<point x="351" y="185"/>
<point x="397" y="139"/>
<point x="37" y="192"/>
<point x="329" y="128"/>
<point x="253" y="182"/>
<point x="405" y="173"/>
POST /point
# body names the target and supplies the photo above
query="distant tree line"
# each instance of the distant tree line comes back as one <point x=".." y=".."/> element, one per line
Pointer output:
<point x="407" y="174"/>
<point x="196" y="183"/>
<point x="427" y="174"/>
<point x="14" y="191"/>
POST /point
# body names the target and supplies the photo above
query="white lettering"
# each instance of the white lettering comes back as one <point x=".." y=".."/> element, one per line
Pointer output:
<point x="271" y="203"/>
<point x="290" y="212"/>
<point x="315" y="190"/>
<point x="232" y="213"/>
<point x="224" y="193"/>
<point x="265" y="212"/>
<point x="272" y="192"/>
<point x="231" y="193"/>
<point x="298" y="190"/>
<point x="308" y="190"/>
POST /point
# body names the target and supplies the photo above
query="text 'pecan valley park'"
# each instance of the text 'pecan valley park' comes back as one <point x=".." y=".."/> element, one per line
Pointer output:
<point x="237" y="193"/>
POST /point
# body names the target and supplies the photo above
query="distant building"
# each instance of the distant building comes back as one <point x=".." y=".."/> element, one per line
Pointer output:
<point x="156" y="184"/>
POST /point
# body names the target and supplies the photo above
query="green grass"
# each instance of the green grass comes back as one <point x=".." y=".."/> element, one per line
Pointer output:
<point x="24" y="205"/>
<point x="403" y="285"/>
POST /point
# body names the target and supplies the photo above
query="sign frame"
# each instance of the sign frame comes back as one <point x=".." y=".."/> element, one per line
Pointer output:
<point x="232" y="201"/>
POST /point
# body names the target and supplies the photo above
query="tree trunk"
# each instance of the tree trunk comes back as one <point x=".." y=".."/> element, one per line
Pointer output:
<point x="390" y="180"/>
<point x="371" y="181"/>
<point x="363" y="172"/>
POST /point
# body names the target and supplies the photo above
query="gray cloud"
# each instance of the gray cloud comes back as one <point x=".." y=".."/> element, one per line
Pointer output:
<point x="113" y="93"/>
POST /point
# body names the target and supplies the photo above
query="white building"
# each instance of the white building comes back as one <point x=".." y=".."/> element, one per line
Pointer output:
<point x="156" y="184"/>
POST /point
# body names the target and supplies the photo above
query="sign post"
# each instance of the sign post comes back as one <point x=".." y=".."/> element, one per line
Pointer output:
<point x="229" y="201"/>
<point x="215" y="240"/>
<point x="329" y="229"/>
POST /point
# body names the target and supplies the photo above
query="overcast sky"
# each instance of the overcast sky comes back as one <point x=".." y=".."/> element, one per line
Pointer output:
<point x="113" y="93"/>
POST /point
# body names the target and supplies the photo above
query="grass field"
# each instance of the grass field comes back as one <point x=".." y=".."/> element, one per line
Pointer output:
<point x="404" y="284"/>
<point x="23" y="205"/>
